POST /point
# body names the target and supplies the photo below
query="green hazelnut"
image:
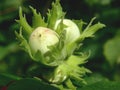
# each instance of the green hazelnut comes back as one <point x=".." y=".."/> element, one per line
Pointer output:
<point x="72" y="30"/>
<point x="41" y="38"/>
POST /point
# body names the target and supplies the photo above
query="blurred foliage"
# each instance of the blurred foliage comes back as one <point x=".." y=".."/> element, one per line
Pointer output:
<point x="112" y="50"/>
<point x="104" y="47"/>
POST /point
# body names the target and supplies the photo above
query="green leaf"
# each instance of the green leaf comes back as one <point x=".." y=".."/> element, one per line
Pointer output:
<point x="102" y="85"/>
<point x="90" y="30"/>
<point x="70" y="85"/>
<point x="24" y="43"/>
<point x="60" y="27"/>
<point x="57" y="52"/>
<point x="70" y="48"/>
<point x="37" y="19"/>
<point x="54" y="14"/>
<point x="45" y="61"/>
<point x="94" y="78"/>
<point x="23" y="22"/>
<point x="76" y="70"/>
<point x="30" y="84"/>
<point x="112" y="51"/>
<point x="6" y="78"/>
<point x="76" y="60"/>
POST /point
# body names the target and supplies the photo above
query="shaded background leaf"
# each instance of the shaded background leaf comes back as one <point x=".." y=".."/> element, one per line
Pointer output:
<point x="112" y="51"/>
<point x="102" y="85"/>
<point x="30" y="84"/>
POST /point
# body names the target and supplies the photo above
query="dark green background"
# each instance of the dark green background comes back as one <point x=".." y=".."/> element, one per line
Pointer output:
<point x="105" y="46"/>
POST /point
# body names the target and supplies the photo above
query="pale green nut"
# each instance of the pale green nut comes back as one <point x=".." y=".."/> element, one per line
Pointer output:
<point x="41" y="38"/>
<point x="72" y="30"/>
